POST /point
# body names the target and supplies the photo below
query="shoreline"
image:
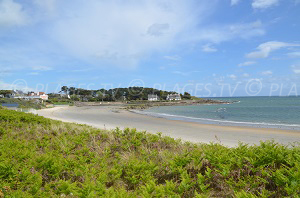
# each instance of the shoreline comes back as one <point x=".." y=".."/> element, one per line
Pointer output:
<point x="262" y="125"/>
<point x="148" y="105"/>
<point x="110" y="117"/>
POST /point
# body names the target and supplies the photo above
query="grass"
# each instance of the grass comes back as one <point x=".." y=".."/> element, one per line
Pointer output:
<point x="40" y="157"/>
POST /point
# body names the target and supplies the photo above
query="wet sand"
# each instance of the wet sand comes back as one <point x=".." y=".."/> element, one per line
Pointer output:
<point x="110" y="117"/>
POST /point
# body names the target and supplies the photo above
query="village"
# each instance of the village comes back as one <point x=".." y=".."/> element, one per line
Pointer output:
<point x="69" y="95"/>
<point x="18" y="94"/>
<point x="131" y="98"/>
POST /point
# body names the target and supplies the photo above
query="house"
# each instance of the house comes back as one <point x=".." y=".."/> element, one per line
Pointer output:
<point x="173" y="97"/>
<point x="16" y="94"/>
<point x="11" y="95"/>
<point x="152" y="97"/>
<point x="33" y="95"/>
<point x="44" y="96"/>
<point x="38" y="95"/>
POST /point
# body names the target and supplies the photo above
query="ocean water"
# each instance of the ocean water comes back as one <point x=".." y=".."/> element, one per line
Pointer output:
<point x="262" y="112"/>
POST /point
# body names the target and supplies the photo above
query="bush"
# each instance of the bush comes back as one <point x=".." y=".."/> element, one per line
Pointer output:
<point x="35" y="104"/>
<point x="44" y="158"/>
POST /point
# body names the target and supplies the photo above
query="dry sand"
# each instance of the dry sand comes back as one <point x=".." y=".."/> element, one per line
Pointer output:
<point x="110" y="117"/>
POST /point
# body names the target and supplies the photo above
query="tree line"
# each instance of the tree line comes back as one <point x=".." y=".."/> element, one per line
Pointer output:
<point x="116" y="94"/>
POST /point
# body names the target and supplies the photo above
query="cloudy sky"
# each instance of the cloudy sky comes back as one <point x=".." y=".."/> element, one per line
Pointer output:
<point x="207" y="47"/>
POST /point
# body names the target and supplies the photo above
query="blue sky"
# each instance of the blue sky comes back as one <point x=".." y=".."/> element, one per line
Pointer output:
<point x="209" y="48"/>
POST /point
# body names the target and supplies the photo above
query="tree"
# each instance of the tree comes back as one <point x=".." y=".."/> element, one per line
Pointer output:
<point x="186" y="95"/>
<point x="101" y="95"/>
<point x="72" y="90"/>
<point x="5" y="92"/>
<point x="84" y="92"/>
<point x="64" y="89"/>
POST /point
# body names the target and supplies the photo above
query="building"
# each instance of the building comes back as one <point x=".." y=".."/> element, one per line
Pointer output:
<point x="11" y="95"/>
<point x="44" y="96"/>
<point x="153" y="97"/>
<point x="173" y="97"/>
<point x="33" y="95"/>
<point x="38" y="95"/>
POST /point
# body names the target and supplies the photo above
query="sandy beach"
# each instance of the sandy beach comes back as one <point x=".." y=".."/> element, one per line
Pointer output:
<point x="110" y="117"/>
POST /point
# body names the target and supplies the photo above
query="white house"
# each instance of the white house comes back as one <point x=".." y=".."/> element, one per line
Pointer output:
<point x="173" y="97"/>
<point x="40" y="95"/>
<point x="152" y="97"/>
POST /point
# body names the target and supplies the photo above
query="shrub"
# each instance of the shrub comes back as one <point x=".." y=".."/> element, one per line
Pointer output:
<point x="44" y="158"/>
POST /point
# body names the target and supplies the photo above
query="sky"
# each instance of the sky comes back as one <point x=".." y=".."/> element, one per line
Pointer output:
<point x="210" y="48"/>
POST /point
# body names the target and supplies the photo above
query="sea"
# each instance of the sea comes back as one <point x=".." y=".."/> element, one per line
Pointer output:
<point x="259" y="112"/>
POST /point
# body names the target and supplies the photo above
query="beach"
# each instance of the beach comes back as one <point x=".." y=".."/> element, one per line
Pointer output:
<point x="110" y="117"/>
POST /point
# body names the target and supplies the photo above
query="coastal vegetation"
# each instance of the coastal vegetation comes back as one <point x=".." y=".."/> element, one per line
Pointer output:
<point x="21" y="103"/>
<point x="129" y="98"/>
<point x="116" y="94"/>
<point x="40" y="157"/>
<point x="5" y="93"/>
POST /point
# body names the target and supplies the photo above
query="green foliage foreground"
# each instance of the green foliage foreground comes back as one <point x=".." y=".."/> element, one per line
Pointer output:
<point x="40" y="157"/>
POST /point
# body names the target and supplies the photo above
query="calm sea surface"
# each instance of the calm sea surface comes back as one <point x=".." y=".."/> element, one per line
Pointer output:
<point x="266" y="112"/>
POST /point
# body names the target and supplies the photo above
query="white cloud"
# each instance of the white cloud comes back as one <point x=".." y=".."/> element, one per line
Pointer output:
<point x="234" y="2"/>
<point x="294" y="54"/>
<point x="247" y="30"/>
<point x="33" y="73"/>
<point x="82" y="70"/>
<point x="119" y="33"/>
<point x="41" y="68"/>
<point x="267" y="73"/>
<point x="296" y="71"/>
<point x="158" y="29"/>
<point x="264" y="4"/>
<point x="46" y="5"/>
<point x="265" y="49"/>
<point x="247" y="63"/>
<point x="11" y="14"/>
<point x="296" y="68"/>
<point x="16" y="85"/>
<point x="246" y="75"/>
<point x="185" y="73"/>
<point x="276" y="20"/>
<point x="220" y="33"/>
<point x="115" y="33"/>
<point x="208" y="48"/>
<point x="232" y="76"/>
<point x="173" y="58"/>
<point x="95" y="32"/>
